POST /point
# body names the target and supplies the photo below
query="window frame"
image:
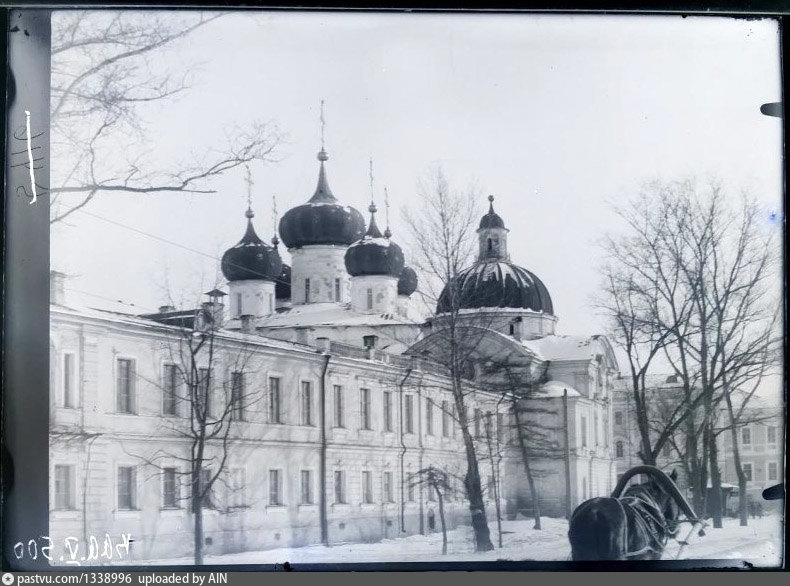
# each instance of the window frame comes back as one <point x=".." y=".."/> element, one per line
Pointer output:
<point x="274" y="415"/>
<point x="165" y="366"/>
<point x="238" y="410"/>
<point x="133" y="407"/>
<point x="338" y="407"/>
<point x="279" y="485"/>
<point x="134" y="488"/>
<point x="73" y="378"/>
<point x="306" y="407"/>
<point x="366" y="482"/>
<point x="176" y="489"/>
<point x="408" y="413"/>
<point x="71" y="505"/>
<point x="750" y="467"/>
<point x="387" y="411"/>
<point x="365" y="418"/>
<point x="339" y="487"/>
<point x="428" y="416"/>
<point x="746" y="431"/>
<point x="306" y="481"/>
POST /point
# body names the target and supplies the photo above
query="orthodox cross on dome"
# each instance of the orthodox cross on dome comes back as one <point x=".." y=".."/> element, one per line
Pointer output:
<point x="275" y="240"/>
<point x="323" y="123"/>
<point x="387" y="231"/>
<point x="373" y="230"/>
<point x="248" y="181"/>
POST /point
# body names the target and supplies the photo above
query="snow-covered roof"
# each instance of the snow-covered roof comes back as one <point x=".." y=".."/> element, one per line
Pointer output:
<point x="559" y="348"/>
<point x="556" y="388"/>
<point x="330" y="314"/>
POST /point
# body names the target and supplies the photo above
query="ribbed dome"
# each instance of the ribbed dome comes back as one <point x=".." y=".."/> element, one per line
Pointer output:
<point x="491" y="219"/>
<point x="322" y="220"/>
<point x="282" y="287"/>
<point x="373" y="254"/>
<point x="251" y="258"/>
<point x="497" y="283"/>
<point x="407" y="282"/>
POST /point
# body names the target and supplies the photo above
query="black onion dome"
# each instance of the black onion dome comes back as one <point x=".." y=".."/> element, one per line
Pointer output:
<point x="282" y="286"/>
<point x="374" y="254"/>
<point x="251" y="258"/>
<point x="491" y="219"/>
<point x="407" y="282"/>
<point x="498" y="284"/>
<point x="322" y="220"/>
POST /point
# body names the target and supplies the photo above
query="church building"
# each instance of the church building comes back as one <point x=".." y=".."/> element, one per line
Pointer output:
<point x="338" y="391"/>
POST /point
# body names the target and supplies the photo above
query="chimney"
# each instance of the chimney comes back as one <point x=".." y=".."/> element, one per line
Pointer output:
<point x="247" y="323"/>
<point x="57" y="288"/>
<point x="322" y="344"/>
<point x="215" y="307"/>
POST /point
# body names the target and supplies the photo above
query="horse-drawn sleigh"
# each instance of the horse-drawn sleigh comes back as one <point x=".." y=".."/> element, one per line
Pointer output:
<point x="634" y="524"/>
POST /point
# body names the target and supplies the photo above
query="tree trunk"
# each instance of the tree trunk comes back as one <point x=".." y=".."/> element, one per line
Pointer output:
<point x="522" y="442"/>
<point x="743" y="505"/>
<point x="715" y="481"/>
<point x="441" y="518"/>
<point x="197" y="510"/>
<point x="475" y="493"/>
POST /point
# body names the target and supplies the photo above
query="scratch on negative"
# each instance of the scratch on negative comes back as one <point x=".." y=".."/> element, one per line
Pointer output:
<point x="30" y="157"/>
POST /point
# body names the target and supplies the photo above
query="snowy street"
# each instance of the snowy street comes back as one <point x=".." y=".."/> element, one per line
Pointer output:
<point x="761" y="543"/>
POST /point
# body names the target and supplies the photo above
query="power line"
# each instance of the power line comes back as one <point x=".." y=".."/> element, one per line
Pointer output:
<point x="182" y="246"/>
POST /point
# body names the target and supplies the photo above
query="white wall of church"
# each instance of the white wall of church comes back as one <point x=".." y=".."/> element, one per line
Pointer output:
<point x="374" y="294"/>
<point x="324" y="267"/>
<point x="251" y="297"/>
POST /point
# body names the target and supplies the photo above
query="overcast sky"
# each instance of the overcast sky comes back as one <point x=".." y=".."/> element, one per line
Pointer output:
<point x="555" y="115"/>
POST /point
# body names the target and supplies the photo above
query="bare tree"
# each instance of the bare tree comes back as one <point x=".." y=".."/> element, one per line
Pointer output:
<point x="438" y="481"/>
<point x="699" y="273"/>
<point x="106" y="69"/>
<point x="442" y="230"/>
<point x="206" y="408"/>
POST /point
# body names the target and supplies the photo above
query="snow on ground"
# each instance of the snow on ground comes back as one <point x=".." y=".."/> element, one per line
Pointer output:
<point x="761" y="543"/>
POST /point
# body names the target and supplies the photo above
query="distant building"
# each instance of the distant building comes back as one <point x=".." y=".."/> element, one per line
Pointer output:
<point x="339" y="369"/>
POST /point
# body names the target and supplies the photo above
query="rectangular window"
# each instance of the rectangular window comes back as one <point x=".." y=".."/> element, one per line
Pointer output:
<point x="237" y="488"/>
<point x="618" y="417"/>
<point x="370" y="298"/>
<point x="65" y="487"/>
<point x="275" y="406"/>
<point x="204" y="386"/>
<point x="337" y="289"/>
<point x="478" y="422"/>
<point x="169" y="389"/>
<point x="237" y="395"/>
<point x="428" y="416"/>
<point x="387" y="411"/>
<point x="500" y="428"/>
<point x="431" y="493"/>
<point x="389" y="496"/>
<point x="773" y="471"/>
<point x="127" y="488"/>
<point x="275" y="487"/>
<point x="307" y="290"/>
<point x="238" y="304"/>
<point x="125" y="388"/>
<point x="306" y="487"/>
<point x="69" y="380"/>
<point x="747" y="471"/>
<point x="771" y="431"/>
<point x="339" y="419"/>
<point x="410" y="489"/>
<point x="307" y="403"/>
<point x="364" y="408"/>
<point x="409" y="415"/>
<point x="584" y="431"/>
<point x="340" y="487"/>
<point x="367" y="487"/>
<point x="169" y="488"/>
<point x="445" y="420"/>
<point x="746" y="436"/>
<point x="208" y="493"/>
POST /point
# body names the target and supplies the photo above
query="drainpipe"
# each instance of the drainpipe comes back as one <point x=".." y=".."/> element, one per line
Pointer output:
<point x="402" y="450"/>
<point x="322" y="458"/>
<point x="567" y="455"/>
<point x="422" y="449"/>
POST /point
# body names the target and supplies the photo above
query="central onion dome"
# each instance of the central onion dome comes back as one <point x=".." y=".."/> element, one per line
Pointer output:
<point x="251" y="258"/>
<point x="497" y="283"/>
<point x="374" y="254"/>
<point x="322" y="220"/>
<point x="407" y="282"/>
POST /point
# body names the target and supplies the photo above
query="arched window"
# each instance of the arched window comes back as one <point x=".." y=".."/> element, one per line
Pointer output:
<point x="619" y="451"/>
<point x="490" y="245"/>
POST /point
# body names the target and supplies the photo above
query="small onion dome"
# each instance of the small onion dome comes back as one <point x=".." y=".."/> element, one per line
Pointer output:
<point x="282" y="286"/>
<point x="407" y="282"/>
<point x="251" y="258"/>
<point x="322" y="220"/>
<point x="491" y="219"/>
<point x="373" y="254"/>
<point x="496" y="283"/>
